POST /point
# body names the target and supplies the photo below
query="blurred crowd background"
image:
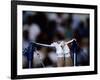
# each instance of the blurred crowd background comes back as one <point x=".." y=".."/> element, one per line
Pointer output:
<point x="47" y="27"/>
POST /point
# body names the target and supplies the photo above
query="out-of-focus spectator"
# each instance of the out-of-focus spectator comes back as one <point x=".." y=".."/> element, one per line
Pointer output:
<point x="34" y="31"/>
